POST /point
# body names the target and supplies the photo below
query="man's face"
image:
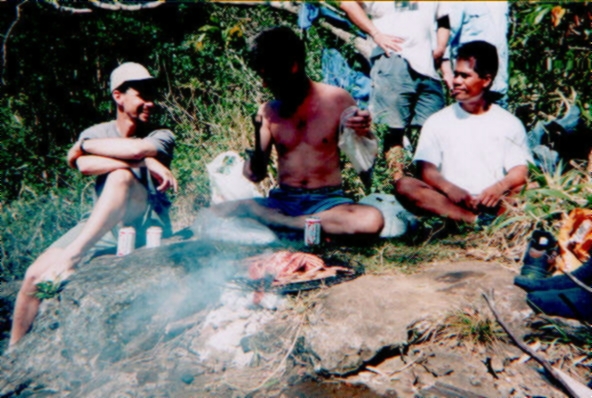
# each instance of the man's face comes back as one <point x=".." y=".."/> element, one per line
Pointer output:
<point x="467" y="84"/>
<point x="136" y="102"/>
<point x="283" y="82"/>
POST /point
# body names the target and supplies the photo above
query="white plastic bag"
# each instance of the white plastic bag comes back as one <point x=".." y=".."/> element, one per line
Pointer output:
<point x="227" y="181"/>
<point x="397" y="220"/>
<point x="361" y="151"/>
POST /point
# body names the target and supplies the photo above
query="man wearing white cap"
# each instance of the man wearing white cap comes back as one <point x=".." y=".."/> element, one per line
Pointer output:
<point x="132" y="163"/>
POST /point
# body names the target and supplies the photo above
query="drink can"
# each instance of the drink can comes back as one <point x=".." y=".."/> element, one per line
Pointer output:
<point x="312" y="231"/>
<point x="126" y="243"/>
<point x="153" y="235"/>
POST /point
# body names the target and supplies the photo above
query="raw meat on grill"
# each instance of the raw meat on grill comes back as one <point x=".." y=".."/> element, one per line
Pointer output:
<point x="289" y="267"/>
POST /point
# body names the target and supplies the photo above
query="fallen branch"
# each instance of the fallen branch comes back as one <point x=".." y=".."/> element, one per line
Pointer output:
<point x="572" y="386"/>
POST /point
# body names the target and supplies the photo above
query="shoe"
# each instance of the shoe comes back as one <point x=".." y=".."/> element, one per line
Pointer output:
<point x="484" y="220"/>
<point x="539" y="256"/>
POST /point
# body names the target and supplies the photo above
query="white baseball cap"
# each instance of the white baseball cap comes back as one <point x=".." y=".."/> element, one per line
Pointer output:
<point x="128" y="72"/>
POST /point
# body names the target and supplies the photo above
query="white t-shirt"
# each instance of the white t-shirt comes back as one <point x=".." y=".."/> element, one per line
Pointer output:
<point x="413" y="21"/>
<point x="473" y="151"/>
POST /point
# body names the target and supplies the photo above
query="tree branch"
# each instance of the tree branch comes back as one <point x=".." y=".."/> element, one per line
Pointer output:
<point x="72" y="10"/>
<point x="6" y="36"/>
<point x="125" y="7"/>
<point x="574" y="387"/>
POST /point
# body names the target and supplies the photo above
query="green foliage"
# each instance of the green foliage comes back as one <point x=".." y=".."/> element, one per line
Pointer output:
<point x="550" y="53"/>
<point x="48" y="289"/>
<point x="470" y="326"/>
<point x="32" y="223"/>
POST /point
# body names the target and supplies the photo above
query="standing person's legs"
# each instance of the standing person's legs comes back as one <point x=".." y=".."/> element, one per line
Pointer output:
<point x="123" y="198"/>
<point x="391" y="103"/>
<point x="430" y="98"/>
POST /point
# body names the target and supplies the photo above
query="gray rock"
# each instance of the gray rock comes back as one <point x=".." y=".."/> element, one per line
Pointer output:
<point x="356" y="321"/>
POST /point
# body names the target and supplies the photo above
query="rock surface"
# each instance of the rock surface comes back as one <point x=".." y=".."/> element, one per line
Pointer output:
<point x="354" y="321"/>
<point x="165" y="322"/>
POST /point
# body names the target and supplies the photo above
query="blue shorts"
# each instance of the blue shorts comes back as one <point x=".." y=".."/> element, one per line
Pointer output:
<point x="296" y="202"/>
<point x="401" y="97"/>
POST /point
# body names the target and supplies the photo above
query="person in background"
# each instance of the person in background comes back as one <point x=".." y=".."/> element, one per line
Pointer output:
<point x="131" y="160"/>
<point x="470" y="154"/>
<point x="406" y="89"/>
<point x="487" y="21"/>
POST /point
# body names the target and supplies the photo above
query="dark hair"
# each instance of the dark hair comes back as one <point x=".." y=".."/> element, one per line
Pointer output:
<point x="276" y="49"/>
<point x="485" y="55"/>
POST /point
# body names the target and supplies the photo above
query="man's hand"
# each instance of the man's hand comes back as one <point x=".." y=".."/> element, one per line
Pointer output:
<point x="459" y="196"/>
<point x="162" y="174"/>
<point x="360" y="122"/>
<point x="491" y="196"/>
<point x="388" y="43"/>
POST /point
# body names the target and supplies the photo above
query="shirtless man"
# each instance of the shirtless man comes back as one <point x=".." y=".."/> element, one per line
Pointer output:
<point x="302" y="123"/>
<point x="123" y="154"/>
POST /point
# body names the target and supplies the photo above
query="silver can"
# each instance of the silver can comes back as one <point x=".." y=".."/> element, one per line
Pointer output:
<point x="312" y="231"/>
<point x="153" y="236"/>
<point x="126" y="242"/>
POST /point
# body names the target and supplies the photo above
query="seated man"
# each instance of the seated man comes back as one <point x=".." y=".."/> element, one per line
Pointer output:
<point x="130" y="158"/>
<point x="471" y="153"/>
<point x="302" y="123"/>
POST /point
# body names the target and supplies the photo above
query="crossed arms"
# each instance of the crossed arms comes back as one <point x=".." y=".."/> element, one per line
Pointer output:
<point x="103" y="155"/>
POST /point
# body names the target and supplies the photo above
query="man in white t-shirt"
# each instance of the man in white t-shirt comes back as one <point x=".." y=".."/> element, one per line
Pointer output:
<point x="487" y="21"/>
<point x="406" y="88"/>
<point x="470" y="154"/>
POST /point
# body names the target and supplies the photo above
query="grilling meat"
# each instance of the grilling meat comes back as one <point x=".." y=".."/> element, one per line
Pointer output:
<point x="289" y="267"/>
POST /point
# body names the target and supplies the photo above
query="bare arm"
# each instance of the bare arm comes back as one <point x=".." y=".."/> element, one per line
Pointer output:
<point x="118" y="148"/>
<point x="514" y="180"/>
<point x="255" y="168"/>
<point x="97" y="165"/>
<point x="430" y="174"/>
<point x="358" y="16"/>
<point x="442" y="37"/>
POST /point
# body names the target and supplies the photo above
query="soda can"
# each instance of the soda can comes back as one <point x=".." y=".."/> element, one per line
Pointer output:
<point x="153" y="235"/>
<point x="312" y="231"/>
<point x="126" y="243"/>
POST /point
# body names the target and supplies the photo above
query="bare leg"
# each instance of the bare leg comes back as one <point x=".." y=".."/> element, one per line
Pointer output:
<point x="123" y="199"/>
<point x="419" y="196"/>
<point x="343" y="219"/>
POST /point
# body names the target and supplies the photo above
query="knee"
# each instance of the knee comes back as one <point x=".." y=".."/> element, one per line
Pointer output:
<point x="376" y="221"/>
<point x="373" y="221"/>
<point x="121" y="178"/>
<point x="404" y="187"/>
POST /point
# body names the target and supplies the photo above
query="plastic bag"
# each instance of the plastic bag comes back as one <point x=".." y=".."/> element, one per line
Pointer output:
<point x="361" y="151"/>
<point x="243" y="231"/>
<point x="227" y="181"/>
<point x="397" y="220"/>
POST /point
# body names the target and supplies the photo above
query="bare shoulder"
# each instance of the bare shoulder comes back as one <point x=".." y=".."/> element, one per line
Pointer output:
<point x="335" y="95"/>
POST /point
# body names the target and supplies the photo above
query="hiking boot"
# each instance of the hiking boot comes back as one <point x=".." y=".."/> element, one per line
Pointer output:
<point x="539" y="256"/>
<point x="395" y="161"/>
